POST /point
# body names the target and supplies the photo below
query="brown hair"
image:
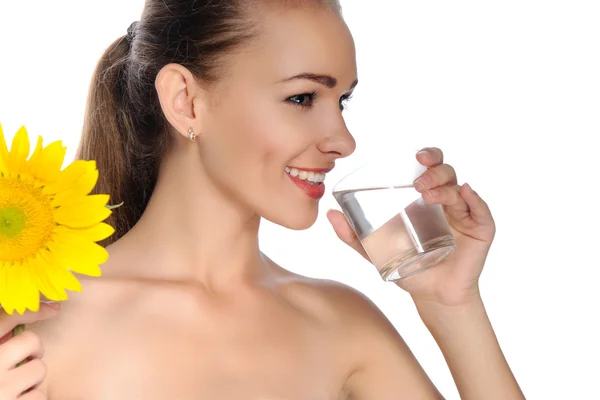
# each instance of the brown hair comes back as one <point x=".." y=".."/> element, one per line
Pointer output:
<point x="124" y="128"/>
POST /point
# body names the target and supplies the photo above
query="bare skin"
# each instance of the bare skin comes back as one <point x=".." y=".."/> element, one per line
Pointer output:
<point x="282" y="337"/>
<point x="278" y="338"/>
<point x="189" y="308"/>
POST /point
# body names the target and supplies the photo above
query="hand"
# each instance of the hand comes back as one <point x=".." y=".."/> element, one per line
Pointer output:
<point x="13" y="350"/>
<point x="455" y="280"/>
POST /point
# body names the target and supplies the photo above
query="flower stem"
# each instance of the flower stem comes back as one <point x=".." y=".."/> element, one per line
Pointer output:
<point x="19" y="329"/>
<point x="16" y="331"/>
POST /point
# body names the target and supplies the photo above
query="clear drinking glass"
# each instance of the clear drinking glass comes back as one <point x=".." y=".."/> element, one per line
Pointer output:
<point x="401" y="233"/>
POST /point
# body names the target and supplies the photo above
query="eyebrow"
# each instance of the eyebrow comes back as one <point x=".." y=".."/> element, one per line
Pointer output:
<point x="325" y="80"/>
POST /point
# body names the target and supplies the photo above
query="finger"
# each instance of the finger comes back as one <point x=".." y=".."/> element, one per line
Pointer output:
<point x="6" y="338"/>
<point x="448" y="196"/>
<point x="440" y="175"/>
<point x="8" y="322"/>
<point x="35" y="394"/>
<point x="480" y="211"/>
<point x="17" y="349"/>
<point x="345" y="232"/>
<point x="26" y="377"/>
<point x="430" y="156"/>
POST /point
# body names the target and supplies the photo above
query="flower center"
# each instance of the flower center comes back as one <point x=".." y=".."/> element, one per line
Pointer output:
<point x="12" y="221"/>
<point x="26" y="219"/>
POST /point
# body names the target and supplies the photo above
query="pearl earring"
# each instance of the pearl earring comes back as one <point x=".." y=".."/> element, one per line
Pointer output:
<point x="191" y="135"/>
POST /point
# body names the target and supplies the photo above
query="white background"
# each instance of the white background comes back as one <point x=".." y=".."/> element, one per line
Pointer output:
<point x="509" y="90"/>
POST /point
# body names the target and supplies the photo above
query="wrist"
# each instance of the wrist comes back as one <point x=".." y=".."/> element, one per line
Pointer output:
<point x="448" y="298"/>
<point x="432" y="312"/>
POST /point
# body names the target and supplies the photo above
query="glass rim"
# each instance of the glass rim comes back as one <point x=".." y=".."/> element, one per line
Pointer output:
<point x="410" y="168"/>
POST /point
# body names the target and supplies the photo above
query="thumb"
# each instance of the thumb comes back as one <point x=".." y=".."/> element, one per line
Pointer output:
<point x="345" y="232"/>
<point x="8" y="322"/>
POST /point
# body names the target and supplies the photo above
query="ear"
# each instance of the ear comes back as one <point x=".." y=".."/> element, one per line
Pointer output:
<point x="181" y="98"/>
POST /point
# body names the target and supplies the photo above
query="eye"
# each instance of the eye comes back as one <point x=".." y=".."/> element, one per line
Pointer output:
<point x="305" y="100"/>
<point x="345" y="99"/>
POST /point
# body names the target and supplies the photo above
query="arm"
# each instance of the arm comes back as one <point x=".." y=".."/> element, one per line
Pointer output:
<point x="447" y="294"/>
<point x="387" y="369"/>
<point x="465" y="336"/>
<point x="382" y="365"/>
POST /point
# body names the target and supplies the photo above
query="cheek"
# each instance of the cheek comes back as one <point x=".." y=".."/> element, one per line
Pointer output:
<point x="244" y="145"/>
<point x="248" y="148"/>
<point x="265" y="134"/>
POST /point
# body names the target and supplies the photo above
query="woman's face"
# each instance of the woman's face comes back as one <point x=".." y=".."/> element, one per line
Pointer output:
<point x="278" y="113"/>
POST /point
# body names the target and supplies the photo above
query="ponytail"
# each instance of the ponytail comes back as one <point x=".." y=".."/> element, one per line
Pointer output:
<point x="113" y="138"/>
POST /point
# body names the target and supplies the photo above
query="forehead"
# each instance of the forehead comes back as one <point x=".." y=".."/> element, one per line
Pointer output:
<point x="293" y="41"/>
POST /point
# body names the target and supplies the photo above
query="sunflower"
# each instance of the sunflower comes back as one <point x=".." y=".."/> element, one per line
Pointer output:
<point x="49" y="223"/>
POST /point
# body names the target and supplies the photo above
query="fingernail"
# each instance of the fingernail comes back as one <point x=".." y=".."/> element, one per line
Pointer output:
<point x="422" y="153"/>
<point x="421" y="183"/>
<point x="54" y="306"/>
<point x="434" y="192"/>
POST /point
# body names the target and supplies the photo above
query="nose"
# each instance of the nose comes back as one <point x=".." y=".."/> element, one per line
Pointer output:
<point x="339" y="142"/>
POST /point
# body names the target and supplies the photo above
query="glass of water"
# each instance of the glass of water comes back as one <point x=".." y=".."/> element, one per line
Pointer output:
<point x="401" y="234"/>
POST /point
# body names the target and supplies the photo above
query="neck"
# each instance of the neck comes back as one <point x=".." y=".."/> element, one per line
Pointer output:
<point x="193" y="231"/>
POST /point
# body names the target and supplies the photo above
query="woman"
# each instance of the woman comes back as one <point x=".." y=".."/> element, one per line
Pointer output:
<point x="194" y="119"/>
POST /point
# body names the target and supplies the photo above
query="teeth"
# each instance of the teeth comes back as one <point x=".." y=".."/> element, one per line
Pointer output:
<point x="319" y="177"/>
<point x="315" y="177"/>
<point x="294" y="172"/>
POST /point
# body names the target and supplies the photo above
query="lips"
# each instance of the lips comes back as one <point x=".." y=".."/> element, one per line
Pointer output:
<point x="309" y="180"/>
<point x="314" y="191"/>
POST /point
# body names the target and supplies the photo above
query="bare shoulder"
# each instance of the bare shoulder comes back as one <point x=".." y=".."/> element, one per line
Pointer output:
<point x="61" y="335"/>
<point x="340" y="303"/>
<point x="382" y="366"/>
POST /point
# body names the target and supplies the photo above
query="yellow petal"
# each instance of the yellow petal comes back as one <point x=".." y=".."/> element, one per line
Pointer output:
<point x="37" y="151"/>
<point x="19" y="151"/>
<point x="89" y="250"/>
<point x="85" y="213"/>
<point x="82" y="187"/>
<point x="3" y="154"/>
<point x="67" y="280"/>
<point x="45" y="163"/>
<point x="21" y="293"/>
<point x="30" y="295"/>
<point x="94" y="233"/>
<point x="80" y="176"/>
<point x="75" y="259"/>
<point x="17" y="288"/>
<point x="54" y="278"/>
<point x="9" y="299"/>
<point x="48" y="288"/>
<point x="86" y="269"/>
<point x="4" y="290"/>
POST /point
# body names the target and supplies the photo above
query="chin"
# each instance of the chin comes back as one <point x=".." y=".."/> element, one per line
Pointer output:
<point x="295" y="219"/>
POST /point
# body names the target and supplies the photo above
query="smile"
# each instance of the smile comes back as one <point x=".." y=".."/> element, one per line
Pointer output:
<point x="310" y="176"/>
<point x="310" y="181"/>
